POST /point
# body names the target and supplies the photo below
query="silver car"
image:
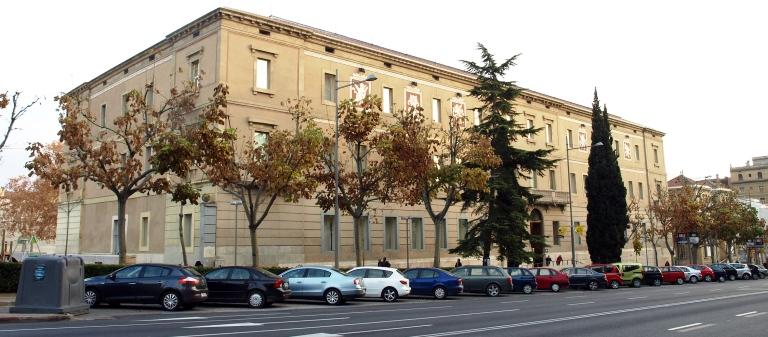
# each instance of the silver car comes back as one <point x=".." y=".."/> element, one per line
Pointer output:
<point x="742" y="270"/>
<point x="691" y="275"/>
<point x="323" y="283"/>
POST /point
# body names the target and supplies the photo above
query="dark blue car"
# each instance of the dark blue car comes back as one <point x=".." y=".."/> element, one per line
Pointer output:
<point x="522" y="280"/>
<point x="434" y="282"/>
<point x="585" y="278"/>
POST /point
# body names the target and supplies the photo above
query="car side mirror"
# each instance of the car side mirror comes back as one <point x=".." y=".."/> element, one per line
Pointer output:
<point x="111" y="276"/>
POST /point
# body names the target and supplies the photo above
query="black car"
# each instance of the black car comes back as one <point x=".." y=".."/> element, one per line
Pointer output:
<point x="652" y="276"/>
<point x="254" y="286"/>
<point x="522" y="280"/>
<point x="757" y="271"/>
<point x="720" y="273"/>
<point x="586" y="278"/>
<point x="730" y="272"/>
<point x="170" y="286"/>
<point x="488" y="280"/>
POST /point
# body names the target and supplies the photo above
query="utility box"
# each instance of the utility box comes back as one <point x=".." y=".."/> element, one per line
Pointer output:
<point x="51" y="285"/>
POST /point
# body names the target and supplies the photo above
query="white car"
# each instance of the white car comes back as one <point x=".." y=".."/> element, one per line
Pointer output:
<point x="691" y="275"/>
<point x="387" y="283"/>
<point x="743" y="270"/>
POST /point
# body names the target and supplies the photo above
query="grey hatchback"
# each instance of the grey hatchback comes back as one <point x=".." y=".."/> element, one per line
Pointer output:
<point x="484" y="279"/>
<point x="325" y="283"/>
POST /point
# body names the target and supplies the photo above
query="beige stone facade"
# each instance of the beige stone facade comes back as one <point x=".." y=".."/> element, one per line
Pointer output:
<point x="266" y="60"/>
<point x="751" y="181"/>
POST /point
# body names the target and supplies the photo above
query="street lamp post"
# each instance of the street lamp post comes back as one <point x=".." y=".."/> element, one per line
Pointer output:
<point x="570" y="196"/>
<point x="236" y="203"/>
<point x="336" y="214"/>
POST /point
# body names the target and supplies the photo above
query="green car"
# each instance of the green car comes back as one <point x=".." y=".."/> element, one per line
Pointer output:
<point x="631" y="273"/>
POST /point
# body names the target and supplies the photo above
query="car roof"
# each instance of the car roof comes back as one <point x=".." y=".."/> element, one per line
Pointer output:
<point x="374" y="267"/>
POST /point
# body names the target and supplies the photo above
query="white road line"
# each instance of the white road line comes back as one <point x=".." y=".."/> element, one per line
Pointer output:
<point x="636" y="298"/>
<point x="582" y="303"/>
<point x="746" y="313"/>
<point x="230" y="325"/>
<point x="684" y="326"/>
<point x="338" y="313"/>
<point x="718" y="289"/>
<point x="387" y="329"/>
<point x="520" y="301"/>
<point x="322" y="334"/>
<point x="681" y="293"/>
<point x="755" y="315"/>
<point x="171" y="319"/>
<point x="696" y="327"/>
<point x="577" y="296"/>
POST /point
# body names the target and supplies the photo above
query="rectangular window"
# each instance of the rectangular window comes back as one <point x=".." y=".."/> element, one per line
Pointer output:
<point x="386" y="100"/>
<point x="126" y="101"/>
<point x="534" y="181"/>
<point x="556" y="233"/>
<point x="585" y="183"/>
<point x="640" y="190"/>
<point x="262" y="74"/>
<point x="443" y="235"/>
<point x="363" y="156"/>
<point x="548" y="133"/>
<point x="329" y="87"/>
<point x="569" y="138"/>
<point x="436" y="110"/>
<point x="658" y="187"/>
<point x="390" y="233"/>
<point x="260" y="138"/>
<point x="328" y="233"/>
<point x="103" y="115"/>
<point x="187" y="230"/>
<point x="573" y="183"/>
<point x="655" y="155"/>
<point x="115" y="237"/>
<point x="637" y="152"/>
<point x="463" y="228"/>
<point x="631" y="189"/>
<point x="194" y="72"/>
<point x="552" y="180"/>
<point x="417" y="233"/>
<point x="478" y="117"/>
<point x="616" y="148"/>
<point x="529" y="125"/>
<point x="144" y="238"/>
<point x="148" y="157"/>
<point x="365" y="234"/>
<point x="150" y="96"/>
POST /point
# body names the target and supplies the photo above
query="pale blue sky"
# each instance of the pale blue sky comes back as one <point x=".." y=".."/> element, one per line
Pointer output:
<point x="693" y="69"/>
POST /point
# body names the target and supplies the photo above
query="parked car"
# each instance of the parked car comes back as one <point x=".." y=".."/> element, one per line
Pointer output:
<point x="323" y="283"/>
<point x="550" y="279"/>
<point x="587" y="278"/>
<point x="387" y="283"/>
<point x="691" y="275"/>
<point x="631" y="273"/>
<point x="611" y="272"/>
<point x="652" y="275"/>
<point x="707" y="274"/>
<point x="172" y="287"/>
<point x="672" y="275"/>
<point x="434" y="282"/>
<point x="489" y="280"/>
<point x="254" y="286"/>
<point x="720" y="274"/>
<point x="522" y="280"/>
<point x="758" y="271"/>
<point x="730" y="272"/>
<point x="743" y="270"/>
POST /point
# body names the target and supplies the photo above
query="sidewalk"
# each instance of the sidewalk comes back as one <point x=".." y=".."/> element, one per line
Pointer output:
<point x="7" y="299"/>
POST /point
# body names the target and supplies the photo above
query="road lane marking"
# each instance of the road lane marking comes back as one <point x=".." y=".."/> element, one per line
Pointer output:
<point x="230" y="325"/>
<point x="577" y="296"/>
<point x="717" y="289"/>
<point x="387" y="329"/>
<point x="579" y="317"/>
<point x="746" y="313"/>
<point x="582" y="303"/>
<point x="171" y="319"/>
<point x="696" y="328"/>
<point x="520" y="301"/>
<point x="755" y="315"/>
<point x="681" y="293"/>
<point x="338" y="313"/>
<point x="321" y="334"/>
<point x="636" y="298"/>
<point x="346" y="324"/>
<point x="684" y="326"/>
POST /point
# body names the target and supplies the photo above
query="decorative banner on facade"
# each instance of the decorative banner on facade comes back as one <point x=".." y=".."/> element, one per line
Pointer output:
<point x="627" y="150"/>
<point x="582" y="139"/>
<point x="458" y="110"/>
<point x="359" y="88"/>
<point x="412" y="97"/>
<point x="681" y="238"/>
<point x="581" y="229"/>
<point x="693" y="238"/>
<point x="759" y="242"/>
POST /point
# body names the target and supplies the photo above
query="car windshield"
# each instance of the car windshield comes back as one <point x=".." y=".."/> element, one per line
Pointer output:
<point x="192" y="271"/>
<point x="267" y="273"/>
<point x="401" y="273"/>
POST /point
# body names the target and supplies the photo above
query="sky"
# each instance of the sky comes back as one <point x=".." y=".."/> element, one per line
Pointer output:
<point x="695" y="70"/>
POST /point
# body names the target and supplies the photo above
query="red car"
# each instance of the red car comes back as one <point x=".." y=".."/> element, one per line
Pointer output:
<point x="612" y="274"/>
<point x="549" y="279"/>
<point x="672" y="275"/>
<point x="706" y="273"/>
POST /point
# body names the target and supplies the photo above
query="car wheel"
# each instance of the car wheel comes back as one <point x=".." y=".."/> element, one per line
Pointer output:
<point x="679" y="281"/>
<point x="721" y="278"/>
<point x="91" y="297"/>
<point x="593" y="285"/>
<point x="389" y="294"/>
<point x="170" y="301"/>
<point x="492" y="290"/>
<point x="732" y="277"/>
<point x="439" y="292"/>
<point x="761" y="276"/>
<point x="555" y="287"/>
<point x="693" y="279"/>
<point x="256" y="299"/>
<point x="708" y="278"/>
<point x="333" y="297"/>
<point x="527" y="289"/>
<point x="636" y="283"/>
<point x="614" y="284"/>
<point x="746" y="276"/>
<point x="657" y="282"/>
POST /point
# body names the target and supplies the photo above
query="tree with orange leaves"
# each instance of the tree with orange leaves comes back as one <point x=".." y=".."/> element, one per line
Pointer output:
<point x="29" y="207"/>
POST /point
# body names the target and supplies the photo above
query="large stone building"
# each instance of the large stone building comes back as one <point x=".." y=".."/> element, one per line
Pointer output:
<point x="751" y="181"/>
<point x="266" y="60"/>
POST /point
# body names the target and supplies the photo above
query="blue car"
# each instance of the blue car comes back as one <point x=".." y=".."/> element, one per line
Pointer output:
<point x="434" y="282"/>
<point x="522" y="280"/>
<point x="585" y="278"/>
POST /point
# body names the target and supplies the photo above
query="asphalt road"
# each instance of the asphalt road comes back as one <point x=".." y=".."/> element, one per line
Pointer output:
<point x="735" y="308"/>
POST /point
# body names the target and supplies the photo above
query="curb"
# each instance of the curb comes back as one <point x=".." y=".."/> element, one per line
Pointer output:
<point x="25" y="319"/>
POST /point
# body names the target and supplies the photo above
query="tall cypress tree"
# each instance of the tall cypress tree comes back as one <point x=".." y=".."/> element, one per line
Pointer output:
<point x="503" y="206"/>
<point x="607" y="218"/>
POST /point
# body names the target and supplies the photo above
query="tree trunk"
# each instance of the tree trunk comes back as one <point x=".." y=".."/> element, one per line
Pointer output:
<point x="254" y="247"/>
<point x="181" y="235"/>
<point x="438" y="235"/>
<point x="655" y="254"/>
<point x="671" y="250"/>
<point x="728" y="247"/>
<point x="357" y="220"/>
<point x="121" y="202"/>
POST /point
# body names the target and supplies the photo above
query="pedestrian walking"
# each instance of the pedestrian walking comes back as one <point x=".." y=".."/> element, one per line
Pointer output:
<point x="380" y="264"/>
<point x="458" y="263"/>
<point x="559" y="260"/>
<point x="548" y="260"/>
<point x="385" y="263"/>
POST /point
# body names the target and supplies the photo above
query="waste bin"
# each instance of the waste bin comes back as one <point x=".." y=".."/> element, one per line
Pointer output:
<point x="51" y="284"/>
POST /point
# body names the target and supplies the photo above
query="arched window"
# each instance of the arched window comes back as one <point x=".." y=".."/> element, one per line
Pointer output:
<point x="759" y="175"/>
<point x="741" y="177"/>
